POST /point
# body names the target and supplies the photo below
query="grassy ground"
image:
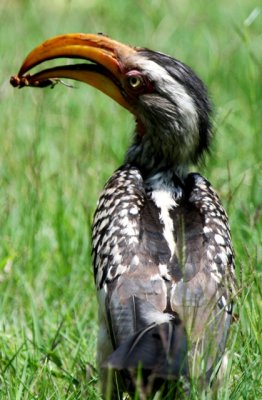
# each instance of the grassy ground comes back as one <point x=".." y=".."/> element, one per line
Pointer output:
<point x="59" y="146"/>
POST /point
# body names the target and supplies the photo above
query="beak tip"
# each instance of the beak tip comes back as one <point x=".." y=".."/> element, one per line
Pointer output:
<point x="15" y="81"/>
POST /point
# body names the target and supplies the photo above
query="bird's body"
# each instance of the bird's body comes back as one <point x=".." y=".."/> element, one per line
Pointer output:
<point x="161" y="247"/>
<point x="162" y="254"/>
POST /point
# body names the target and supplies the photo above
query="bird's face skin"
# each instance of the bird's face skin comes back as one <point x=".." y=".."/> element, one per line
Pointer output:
<point x="168" y="101"/>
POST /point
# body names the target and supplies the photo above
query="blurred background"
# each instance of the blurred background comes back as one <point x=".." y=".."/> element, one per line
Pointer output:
<point x="57" y="149"/>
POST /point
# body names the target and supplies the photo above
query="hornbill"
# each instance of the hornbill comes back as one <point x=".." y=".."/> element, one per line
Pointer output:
<point x="162" y="254"/>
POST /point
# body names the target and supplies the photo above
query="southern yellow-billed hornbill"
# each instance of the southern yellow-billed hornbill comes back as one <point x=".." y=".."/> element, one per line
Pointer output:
<point x="162" y="253"/>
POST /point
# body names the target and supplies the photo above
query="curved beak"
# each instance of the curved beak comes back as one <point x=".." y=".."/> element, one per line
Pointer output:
<point x="104" y="70"/>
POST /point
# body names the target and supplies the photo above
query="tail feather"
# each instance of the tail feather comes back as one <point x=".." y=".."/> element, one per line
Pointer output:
<point x="159" y="349"/>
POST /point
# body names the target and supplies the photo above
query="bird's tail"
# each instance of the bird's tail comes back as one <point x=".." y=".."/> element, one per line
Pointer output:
<point x="155" y="354"/>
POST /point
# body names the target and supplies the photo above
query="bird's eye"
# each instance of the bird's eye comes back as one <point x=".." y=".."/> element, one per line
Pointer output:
<point x="135" y="81"/>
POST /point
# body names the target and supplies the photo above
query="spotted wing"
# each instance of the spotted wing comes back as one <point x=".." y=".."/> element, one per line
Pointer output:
<point x="203" y="295"/>
<point x="129" y="248"/>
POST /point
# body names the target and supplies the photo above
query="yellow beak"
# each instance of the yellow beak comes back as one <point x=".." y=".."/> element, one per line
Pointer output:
<point x="105" y="71"/>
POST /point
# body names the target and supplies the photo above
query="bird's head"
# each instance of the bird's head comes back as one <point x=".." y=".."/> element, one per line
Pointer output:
<point x="168" y="100"/>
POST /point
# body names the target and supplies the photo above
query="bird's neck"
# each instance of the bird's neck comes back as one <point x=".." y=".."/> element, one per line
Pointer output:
<point x="149" y="155"/>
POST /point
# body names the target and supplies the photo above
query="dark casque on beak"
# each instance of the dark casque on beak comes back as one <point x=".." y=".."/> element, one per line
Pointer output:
<point x="104" y="70"/>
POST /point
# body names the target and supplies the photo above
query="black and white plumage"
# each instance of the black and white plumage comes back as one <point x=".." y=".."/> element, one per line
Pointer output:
<point x="165" y="263"/>
<point x="162" y="253"/>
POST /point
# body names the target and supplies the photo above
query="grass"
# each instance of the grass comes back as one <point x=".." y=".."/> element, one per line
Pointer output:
<point x="59" y="146"/>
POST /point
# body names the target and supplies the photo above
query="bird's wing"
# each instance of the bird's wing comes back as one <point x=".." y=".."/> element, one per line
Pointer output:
<point x="129" y="248"/>
<point x="203" y="295"/>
